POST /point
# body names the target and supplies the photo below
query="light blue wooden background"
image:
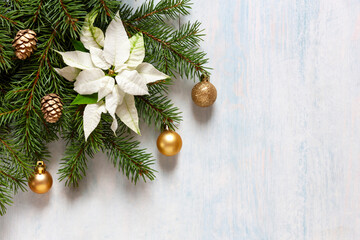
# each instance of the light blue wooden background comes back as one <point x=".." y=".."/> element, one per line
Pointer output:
<point x="278" y="157"/>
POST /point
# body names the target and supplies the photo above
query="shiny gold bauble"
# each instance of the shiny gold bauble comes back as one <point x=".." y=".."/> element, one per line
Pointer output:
<point x="169" y="143"/>
<point x="204" y="93"/>
<point x="41" y="181"/>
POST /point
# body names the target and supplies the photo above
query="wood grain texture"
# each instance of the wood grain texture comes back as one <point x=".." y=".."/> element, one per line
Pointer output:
<point x="277" y="157"/>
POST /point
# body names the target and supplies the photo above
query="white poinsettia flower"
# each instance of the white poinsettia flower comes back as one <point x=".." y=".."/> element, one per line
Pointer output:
<point x="114" y="69"/>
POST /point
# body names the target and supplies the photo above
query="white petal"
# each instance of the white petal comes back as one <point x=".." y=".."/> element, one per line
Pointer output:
<point x="117" y="44"/>
<point x="89" y="81"/>
<point x="91" y="36"/>
<point x="69" y="73"/>
<point x="77" y="59"/>
<point x="97" y="56"/>
<point x="107" y="85"/>
<point x="137" y="51"/>
<point x="92" y="117"/>
<point x="114" y="125"/>
<point x="132" y="83"/>
<point x="128" y="114"/>
<point x="150" y="73"/>
<point x="120" y="68"/>
<point x="112" y="101"/>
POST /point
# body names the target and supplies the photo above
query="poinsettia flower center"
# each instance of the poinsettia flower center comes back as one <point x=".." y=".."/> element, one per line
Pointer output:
<point x="111" y="72"/>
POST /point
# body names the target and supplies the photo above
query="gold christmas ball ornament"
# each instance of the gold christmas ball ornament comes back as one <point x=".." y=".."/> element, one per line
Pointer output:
<point x="51" y="107"/>
<point x="24" y="43"/>
<point x="169" y="143"/>
<point x="41" y="181"/>
<point x="204" y="93"/>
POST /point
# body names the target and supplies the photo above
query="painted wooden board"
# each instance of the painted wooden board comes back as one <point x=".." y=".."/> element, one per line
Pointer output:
<point x="277" y="157"/>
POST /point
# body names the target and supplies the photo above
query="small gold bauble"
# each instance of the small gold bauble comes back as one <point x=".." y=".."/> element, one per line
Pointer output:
<point x="169" y="143"/>
<point x="204" y="93"/>
<point x="41" y="181"/>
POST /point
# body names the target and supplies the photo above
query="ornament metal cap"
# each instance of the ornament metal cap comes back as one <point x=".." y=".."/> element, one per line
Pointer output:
<point x="40" y="167"/>
<point x="205" y="77"/>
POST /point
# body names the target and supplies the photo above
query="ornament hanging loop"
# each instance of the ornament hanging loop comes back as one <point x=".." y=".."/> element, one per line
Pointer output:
<point x="164" y="127"/>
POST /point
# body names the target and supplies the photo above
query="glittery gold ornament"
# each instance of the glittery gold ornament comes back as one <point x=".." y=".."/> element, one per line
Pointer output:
<point x="169" y="143"/>
<point x="24" y="43"/>
<point x="204" y="93"/>
<point x="41" y="181"/>
<point x="51" y="107"/>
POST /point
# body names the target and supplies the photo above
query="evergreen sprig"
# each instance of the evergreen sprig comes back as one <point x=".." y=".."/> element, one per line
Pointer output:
<point x="171" y="50"/>
<point x="126" y="154"/>
<point x="14" y="170"/>
<point x="163" y="9"/>
<point x="24" y="134"/>
<point x="5" y="51"/>
<point x="158" y="110"/>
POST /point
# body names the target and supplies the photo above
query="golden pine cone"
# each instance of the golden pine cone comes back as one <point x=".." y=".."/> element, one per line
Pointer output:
<point x="24" y="43"/>
<point x="51" y="107"/>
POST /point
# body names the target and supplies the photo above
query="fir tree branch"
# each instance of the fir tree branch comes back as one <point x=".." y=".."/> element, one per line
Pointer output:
<point x="5" y="197"/>
<point x="5" y="51"/>
<point x="106" y="10"/>
<point x="13" y="170"/>
<point x="73" y="166"/>
<point x="167" y="45"/>
<point x="32" y="15"/>
<point x="134" y="163"/>
<point x="173" y="51"/>
<point x="186" y="61"/>
<point x="8" y="113"/>
<point x="29" y="133"/>
<point x="71" y="20"/>
<point x="14" y="179"/>
<point x="169" y="8"/>
<point x="8" y="19"/>
<point x="15" y="156"/>
<point x="43" y="59"/>
<point x="9" y="185"/>
<point x="37" y="13"/>
<point x="162" y="10"/>
<point x="68" y="15"/>
<point x="158" y="110"/>
<point x="105" y="7"/>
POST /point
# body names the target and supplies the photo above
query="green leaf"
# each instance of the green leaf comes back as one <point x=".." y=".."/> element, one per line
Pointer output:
<point x="79" y="46"/>
<point x="85" y="99"/>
